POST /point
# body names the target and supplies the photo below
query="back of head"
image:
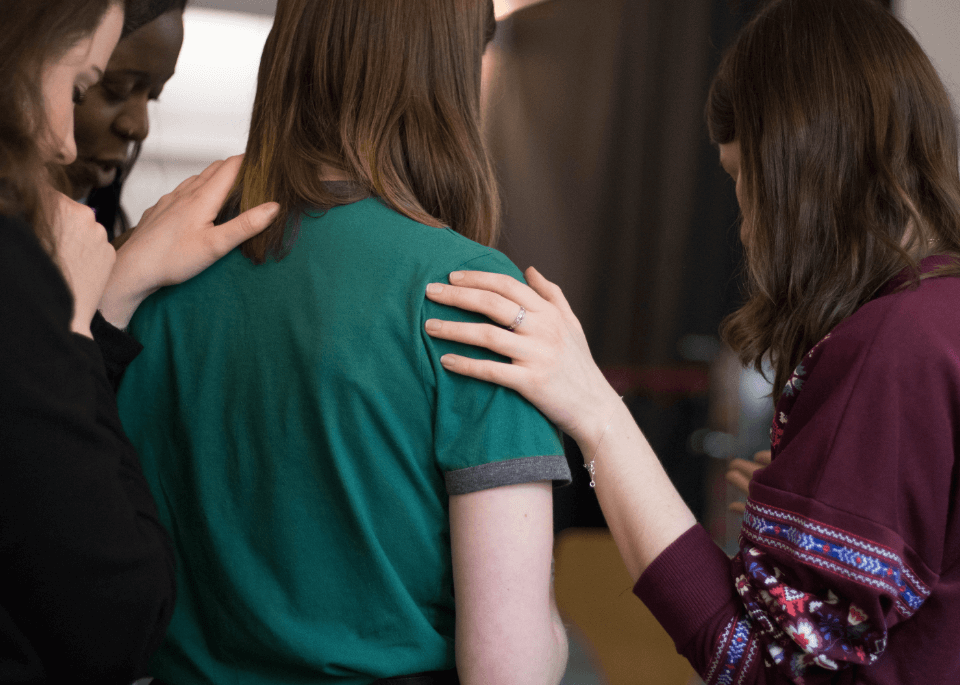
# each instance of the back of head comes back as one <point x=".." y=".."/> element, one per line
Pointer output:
<point x="34" y="33"/>
<point x="848" y="163"/>
<point x="387" y="92"/>
<point x="142" y="12"/>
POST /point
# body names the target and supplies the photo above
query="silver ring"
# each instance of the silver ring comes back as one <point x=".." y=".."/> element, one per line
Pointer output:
<point x="518" y="320"/>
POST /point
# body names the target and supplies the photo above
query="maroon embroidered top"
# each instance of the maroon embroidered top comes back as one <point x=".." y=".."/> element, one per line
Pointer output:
<point x="849" y="562"/>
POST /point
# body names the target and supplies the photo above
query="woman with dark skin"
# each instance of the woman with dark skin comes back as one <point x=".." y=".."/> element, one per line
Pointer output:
<point x="842" y="144"/>
<point x="112" y="120"/>
<point x="88" y="571"/>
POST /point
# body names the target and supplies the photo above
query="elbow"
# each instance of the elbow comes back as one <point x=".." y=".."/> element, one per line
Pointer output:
<point x="562" y="651"/>
<point x="509" y="661"/>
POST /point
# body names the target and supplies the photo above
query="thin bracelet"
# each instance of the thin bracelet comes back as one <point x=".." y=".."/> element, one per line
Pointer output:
<point x="591" y="466"/>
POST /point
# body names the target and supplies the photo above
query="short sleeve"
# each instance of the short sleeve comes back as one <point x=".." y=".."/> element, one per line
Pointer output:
<point x="486" y="436"/>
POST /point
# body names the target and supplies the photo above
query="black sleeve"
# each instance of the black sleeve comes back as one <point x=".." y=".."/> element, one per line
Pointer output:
<point x="117" y="348"/>
<point x="88" y="571"/>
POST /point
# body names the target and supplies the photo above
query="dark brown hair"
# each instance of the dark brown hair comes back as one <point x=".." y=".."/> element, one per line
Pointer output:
<point x="387" y="91"/>
<point x="848" y="163"/>
<point x="34" y="33"/>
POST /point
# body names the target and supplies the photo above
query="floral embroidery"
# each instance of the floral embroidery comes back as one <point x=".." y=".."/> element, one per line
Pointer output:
<point x="776" y="432"/>
<point x="795" y="382"/>
<point x="789" y="395"/>
<point x="805" y="635"/>
<point x="801" y="632"/>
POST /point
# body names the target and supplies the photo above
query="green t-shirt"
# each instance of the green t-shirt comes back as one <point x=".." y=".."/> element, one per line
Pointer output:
<point x="301" y="439"/>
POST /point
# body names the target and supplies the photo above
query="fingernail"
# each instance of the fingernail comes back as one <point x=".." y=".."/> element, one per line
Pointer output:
<point x="434" y="288"/>
<point x="433" y="325"/>
<point x="456" y="276"/>
<point x="448" y="360"/>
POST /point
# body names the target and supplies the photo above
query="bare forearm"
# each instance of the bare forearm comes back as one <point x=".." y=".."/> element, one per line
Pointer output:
<point x="643" y="509"/>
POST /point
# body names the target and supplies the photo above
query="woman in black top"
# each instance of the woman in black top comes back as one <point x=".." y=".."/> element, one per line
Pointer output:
<point x="87" y="570"/>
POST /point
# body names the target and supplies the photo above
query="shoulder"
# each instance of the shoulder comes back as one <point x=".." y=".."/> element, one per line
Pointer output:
<point x="897" y="333"/>
<point x="876" y="403"/>
<point x="17" y="236"/>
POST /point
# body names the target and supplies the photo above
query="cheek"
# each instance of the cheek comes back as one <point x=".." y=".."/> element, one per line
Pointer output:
<point x="58" y="110"/>
<point x="92" y="122"/>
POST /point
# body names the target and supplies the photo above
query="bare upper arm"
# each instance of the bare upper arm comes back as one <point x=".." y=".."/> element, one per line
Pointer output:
<point x="507" y="627"/>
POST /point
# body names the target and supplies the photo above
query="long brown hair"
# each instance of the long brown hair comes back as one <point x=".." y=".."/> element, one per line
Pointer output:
<point x="34" y="33"/>
<point x="848" y="163"/>
<point x="387" y="91"/>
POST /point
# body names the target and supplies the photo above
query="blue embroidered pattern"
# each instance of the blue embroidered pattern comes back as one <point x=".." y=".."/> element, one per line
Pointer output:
<point x="736" y="651"/>
<point x="819" y="545"/>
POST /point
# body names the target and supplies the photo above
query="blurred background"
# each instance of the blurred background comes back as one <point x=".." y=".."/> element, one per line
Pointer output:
<point x="594" y="116"/>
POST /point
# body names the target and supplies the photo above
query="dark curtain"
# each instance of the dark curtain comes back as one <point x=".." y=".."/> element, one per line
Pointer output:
<point x="594" y="115"/>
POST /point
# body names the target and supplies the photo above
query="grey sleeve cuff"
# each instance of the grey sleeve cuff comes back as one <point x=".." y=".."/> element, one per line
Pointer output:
<point x="509" y="472"/>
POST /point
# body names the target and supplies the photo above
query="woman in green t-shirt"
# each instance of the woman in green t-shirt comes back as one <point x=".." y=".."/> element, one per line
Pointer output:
<point x="325" y="482"/>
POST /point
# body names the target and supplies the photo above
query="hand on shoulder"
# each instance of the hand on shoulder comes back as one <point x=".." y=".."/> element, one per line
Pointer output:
<point x="176" y="239"/>
<point x="552" y="366"/>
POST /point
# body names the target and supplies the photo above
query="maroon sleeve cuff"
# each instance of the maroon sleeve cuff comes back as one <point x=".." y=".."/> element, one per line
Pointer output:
<point x="688" y="587"/>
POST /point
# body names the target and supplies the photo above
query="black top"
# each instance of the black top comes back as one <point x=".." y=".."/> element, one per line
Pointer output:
<point x="87" y="571"/>
<point x="105" y="203"/>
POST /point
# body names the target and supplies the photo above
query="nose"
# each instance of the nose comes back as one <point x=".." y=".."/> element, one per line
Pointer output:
<point x="133" y="122"/>
<point x="65" y="147"/>
<point x="67" y="154"/>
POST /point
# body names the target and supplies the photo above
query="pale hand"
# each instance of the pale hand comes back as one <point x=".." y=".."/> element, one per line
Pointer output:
<point x="551" y="362"/>
<point x="176" y="239"/>
<point x="84" y="256"/>
<point x="740" y="473"/>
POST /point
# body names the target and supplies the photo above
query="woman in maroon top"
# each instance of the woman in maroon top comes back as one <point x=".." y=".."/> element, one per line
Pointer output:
<point x="842" y="143"/>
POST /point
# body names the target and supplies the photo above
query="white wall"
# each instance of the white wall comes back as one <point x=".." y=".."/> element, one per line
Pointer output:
<point x="203" y="113"/>
<point x="936" y="23"/>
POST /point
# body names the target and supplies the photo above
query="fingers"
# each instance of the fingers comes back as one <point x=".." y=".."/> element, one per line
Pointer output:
<point x="495" y="307"/>
<point x="762" y="457"/>
<point x="500" y="373"/>
<point x="220" y="180"/>
<point x="501" y="284"/>
<point x="745" y="467"/>
<point x="740" y="472"/>
<point x="738" y="507"/>
<point x="547" y="290"/>
<point x="216" y="166"/>
<point x="243" y="227"/>
<point x="738" y="479"/>
<point x="496" y="339"/>
<point x="213" y="185"/>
